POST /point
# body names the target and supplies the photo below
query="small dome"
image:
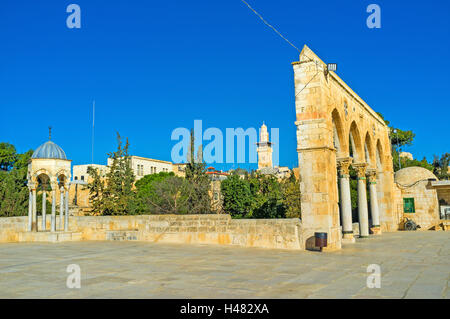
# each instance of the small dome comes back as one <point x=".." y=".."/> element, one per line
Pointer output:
<point x="411" y="175"/>
<point x="49" y="150"/>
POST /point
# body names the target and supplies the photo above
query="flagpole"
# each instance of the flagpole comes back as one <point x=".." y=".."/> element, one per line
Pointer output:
<point x="93" y="126"/>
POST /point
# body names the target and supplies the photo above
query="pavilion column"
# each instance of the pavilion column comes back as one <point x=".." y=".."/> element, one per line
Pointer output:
<point x="53" y="221"/>
<point x="66" y="215"/>
<point x="345" y="199"/>
<point x="375" y="212"/>
<point x="44" y="208"/>
<point x="34" y="212"/>
<point x="30" y="209"/>
<point x="61" y="208"/>
<point x="363" y="213"/>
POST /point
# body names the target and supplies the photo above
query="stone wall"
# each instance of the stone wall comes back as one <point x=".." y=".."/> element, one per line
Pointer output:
<point x="196" y="229"/>
<point x="426" y="204"/>
<point x="10" y="227"/>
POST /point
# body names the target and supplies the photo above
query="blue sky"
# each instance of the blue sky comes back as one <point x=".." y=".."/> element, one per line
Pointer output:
<point x="153" y="66"/>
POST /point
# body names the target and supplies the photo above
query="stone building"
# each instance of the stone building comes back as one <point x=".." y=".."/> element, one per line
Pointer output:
<point x="264" y="148"/>
<point x="416" y="198"/>
<point x="179" y="169"/>
<point x="80" y="172"/>
<point x="265" y="163"/>
<point x="335" y="129"/>
<point x="443" y="194"/>
<point x="144" y="166"/>
<point x="406" y="155"/>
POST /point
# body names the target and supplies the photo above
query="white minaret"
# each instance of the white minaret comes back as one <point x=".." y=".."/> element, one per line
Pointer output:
<point x="264" y="148"/>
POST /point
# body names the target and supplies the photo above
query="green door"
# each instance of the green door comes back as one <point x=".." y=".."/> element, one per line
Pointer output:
<point x="408" y="205"/>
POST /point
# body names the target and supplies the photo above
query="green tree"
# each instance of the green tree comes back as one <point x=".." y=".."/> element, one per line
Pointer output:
<point x="237" y="196"/>
<point x="267" y="196"/>
<point x="292" y="196"/>
<point x="145" y="188"/>
<point x="200" y="201"/>
<point x="406" y="162"/>
<point x="96" y="187"/>
<point x="115" y="195"/>
<point x="13" y="181"/>
<point x="261" y="196"/>
<point x="170" y="195"/>
<point x="8" y="156"/>
<point x="400" y="138"/>
<point x="441" y="166"/>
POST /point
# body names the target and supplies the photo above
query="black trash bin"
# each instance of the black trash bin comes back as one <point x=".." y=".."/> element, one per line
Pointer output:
<point x="321" y="239"/>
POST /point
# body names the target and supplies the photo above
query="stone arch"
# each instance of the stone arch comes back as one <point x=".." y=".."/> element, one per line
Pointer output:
<point x="339" y="141"/>
<point x="62" y="178"/>
<point x="39" y="172"/>
<point x="379" y="156"/>
<point x="355" y="143"/>
<point x="369" y="151"/>
<point x="317" y="127"/>
<point x="43" y="181"/>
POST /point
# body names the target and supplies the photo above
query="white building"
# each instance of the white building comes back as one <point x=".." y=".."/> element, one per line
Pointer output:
<point x="80" y="171"/>
<point x="144" y="166"/>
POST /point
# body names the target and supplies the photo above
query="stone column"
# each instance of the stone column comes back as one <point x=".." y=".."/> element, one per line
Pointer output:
<point x="66" y="215"/>
<point x="34" y="219"/>
<point x="362" y="200"/>
<point x="53" y="221"/>
<point x="61" y="208"/>
<point x="30" y="209"/>
<point x="375" y="212"/>
<point x="345" y="199"/>
<point x="44" y="208"/>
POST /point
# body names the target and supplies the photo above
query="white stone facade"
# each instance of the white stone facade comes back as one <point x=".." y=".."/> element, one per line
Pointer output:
<point x="144" y="166"/>
<point x="80" y="171"/>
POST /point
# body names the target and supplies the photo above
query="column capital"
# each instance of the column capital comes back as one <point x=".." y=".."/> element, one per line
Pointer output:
<point x="32" y="186"/>
<point x="343" y="164"/>
<point x="372" y="175"/>
<point x="360" y="170"/>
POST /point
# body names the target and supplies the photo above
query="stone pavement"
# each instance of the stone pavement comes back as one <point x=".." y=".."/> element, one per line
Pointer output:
<point x="413" y="265"/>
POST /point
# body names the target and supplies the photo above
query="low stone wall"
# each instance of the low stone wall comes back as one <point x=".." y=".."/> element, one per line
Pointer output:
<point x="10" y="227"/>
<point x="200" y="229"/>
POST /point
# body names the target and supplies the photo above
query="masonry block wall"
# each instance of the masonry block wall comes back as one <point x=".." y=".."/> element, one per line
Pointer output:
<point x="197" y="229"/>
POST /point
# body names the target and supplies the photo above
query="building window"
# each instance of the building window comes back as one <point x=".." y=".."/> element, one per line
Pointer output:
<point x="408" y="205"/>
<point x="76" y="177"/>
<point x="140" y="170"/>
<point x="82" y="177"/>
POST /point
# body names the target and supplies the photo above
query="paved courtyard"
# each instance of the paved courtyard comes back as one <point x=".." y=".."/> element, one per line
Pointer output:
<point x="413" y="265"/>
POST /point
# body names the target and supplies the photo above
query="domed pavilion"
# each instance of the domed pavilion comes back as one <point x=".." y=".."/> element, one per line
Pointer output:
<point x="49" y="171"/>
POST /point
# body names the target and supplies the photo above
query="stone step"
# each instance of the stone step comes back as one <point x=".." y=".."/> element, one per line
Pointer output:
<point x="46" y="236"/>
